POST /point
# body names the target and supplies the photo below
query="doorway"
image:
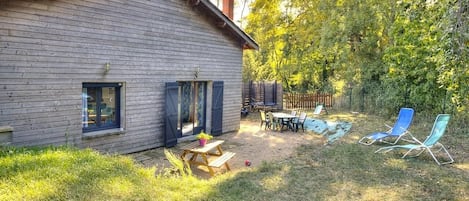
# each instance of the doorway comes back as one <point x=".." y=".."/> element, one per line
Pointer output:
<point x="191" y="107"/>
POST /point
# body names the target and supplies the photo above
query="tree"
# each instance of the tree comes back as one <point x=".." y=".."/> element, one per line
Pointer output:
<point x="397" y="53"/>
<point x="454" y="64"/>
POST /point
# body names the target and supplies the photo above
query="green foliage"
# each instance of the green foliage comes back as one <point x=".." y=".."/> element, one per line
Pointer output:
<point x="412" y="59"/>
<point x="454" y="62"/>
<point x="65" y="173"/>
<point x="393" y="53"/>
<point x="181" y="166"/>
<point x="203" y="135"/>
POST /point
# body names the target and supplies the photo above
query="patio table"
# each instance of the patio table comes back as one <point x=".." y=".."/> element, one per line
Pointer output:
<point x="283" y="117"/>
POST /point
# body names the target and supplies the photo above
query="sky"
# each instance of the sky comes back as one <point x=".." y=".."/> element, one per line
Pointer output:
<point x="238" y="6"/>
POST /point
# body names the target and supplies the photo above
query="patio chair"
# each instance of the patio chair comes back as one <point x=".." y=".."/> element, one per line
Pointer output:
<point x="287" y="122"/>
<point x="266" y="120"/>
<point x="300" y="121"/>
<point x="400" y="128"/>
<point x="293" y="112"/>
<point x="272" y="121"/>
<point x="318" y="109"/>
<point x="430" y="142"/>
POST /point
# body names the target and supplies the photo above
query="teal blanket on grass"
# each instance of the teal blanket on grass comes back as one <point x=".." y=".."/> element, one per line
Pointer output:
<point x="330" y="129"/>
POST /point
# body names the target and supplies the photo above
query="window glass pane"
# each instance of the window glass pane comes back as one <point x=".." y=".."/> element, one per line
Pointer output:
<point x="84" y="104"/>
<point x="101" y="102"/>
<point x="186" y="108"/>
<point x="191" y="107"/>
<point x="200" y="104"/>
<point x="179" y="108"/>
<point x="108" y="106"/>
<point x="90" y="97"/>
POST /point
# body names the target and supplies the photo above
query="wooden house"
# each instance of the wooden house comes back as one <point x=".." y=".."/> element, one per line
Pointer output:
<point x="118" y="76"/>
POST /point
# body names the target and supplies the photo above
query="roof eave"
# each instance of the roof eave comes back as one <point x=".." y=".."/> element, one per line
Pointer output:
<point x="226" y="23"/>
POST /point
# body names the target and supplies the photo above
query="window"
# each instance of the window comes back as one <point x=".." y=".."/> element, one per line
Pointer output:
<point x="191" y="107"/>
<point x="101" y="106"/>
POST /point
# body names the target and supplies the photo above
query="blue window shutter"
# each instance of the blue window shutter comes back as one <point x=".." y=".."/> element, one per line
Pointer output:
<point x="171" y="114"/>
<point x="217" y="108"/>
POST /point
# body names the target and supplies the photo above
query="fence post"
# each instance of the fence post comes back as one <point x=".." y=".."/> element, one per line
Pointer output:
<point x="350" y="95"/>
<point x="362" y="99"/>
<point x="306" y="101"/>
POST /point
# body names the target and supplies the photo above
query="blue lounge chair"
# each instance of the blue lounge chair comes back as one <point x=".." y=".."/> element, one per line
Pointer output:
<point x="400" y="128"/>
<point x="318" y="110"/>
<point x="438" y="130"/>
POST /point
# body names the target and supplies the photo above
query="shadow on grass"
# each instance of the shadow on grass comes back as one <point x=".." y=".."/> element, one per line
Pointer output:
<point x="347" y="171"/>
<point x="344" y="170"/>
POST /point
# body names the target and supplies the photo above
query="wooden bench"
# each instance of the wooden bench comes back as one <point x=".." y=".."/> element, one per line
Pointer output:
<point x="223" y="159"/>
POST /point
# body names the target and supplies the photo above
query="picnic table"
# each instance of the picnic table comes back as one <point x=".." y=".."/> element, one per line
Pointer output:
<point x="198" y="155"/>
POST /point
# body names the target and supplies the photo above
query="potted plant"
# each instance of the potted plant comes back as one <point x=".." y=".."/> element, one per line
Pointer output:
<point x="203" y="138"/>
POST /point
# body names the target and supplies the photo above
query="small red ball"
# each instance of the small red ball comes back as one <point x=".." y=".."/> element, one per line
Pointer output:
<point x="247" y="163"/>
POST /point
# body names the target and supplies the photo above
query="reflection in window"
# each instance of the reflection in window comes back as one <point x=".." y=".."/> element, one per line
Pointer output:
<point x="101" y="106"/>
<point x="191" y="107"/>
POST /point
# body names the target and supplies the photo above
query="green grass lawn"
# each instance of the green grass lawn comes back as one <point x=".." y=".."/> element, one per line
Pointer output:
<point x="344" y="170"/>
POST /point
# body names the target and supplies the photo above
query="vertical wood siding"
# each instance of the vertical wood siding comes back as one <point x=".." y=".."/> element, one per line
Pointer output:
<point x="49" y="48"/>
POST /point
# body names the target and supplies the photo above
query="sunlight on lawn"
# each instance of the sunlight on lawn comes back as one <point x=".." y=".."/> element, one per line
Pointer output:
<point x="372" y="193"/>
<point x="462" y="166"/>
<point x="344" y="190"/>
<point x="35" y="176"/>
<point x="396" y="163"/>
<point x="342" y="171"/>
<point x="276" y="181"/>
<point x="28" y="188"/>
<point x="347" y="116"/>
<point x="44" y="188"/>
<point x="350" y="138"/>
<point x="117" y="187"/>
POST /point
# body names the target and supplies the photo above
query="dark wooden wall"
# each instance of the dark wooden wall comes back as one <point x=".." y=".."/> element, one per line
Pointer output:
<point x="266" y="93"/>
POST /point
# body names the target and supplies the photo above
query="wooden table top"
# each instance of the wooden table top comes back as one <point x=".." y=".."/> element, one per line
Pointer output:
<point x="195" y="147"/>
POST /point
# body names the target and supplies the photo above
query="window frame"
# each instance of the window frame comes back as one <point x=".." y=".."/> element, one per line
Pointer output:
<point x="117" y="88"/>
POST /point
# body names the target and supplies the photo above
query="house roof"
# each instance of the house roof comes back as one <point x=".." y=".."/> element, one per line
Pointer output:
<point x="225" y="23"/>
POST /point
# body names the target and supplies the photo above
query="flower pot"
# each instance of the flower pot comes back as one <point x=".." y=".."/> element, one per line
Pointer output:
<point x="202" y="142"/>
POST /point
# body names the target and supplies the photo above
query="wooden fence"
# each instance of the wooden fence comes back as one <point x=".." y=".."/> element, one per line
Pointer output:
<point x="306" y="101"/>
<point x="262" y="93"/>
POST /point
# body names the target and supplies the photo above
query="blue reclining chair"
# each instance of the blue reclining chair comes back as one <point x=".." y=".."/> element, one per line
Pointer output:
<point x="400" y="128"/>
<point x="318" y="109"/>
<point x="438" y="130"/>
